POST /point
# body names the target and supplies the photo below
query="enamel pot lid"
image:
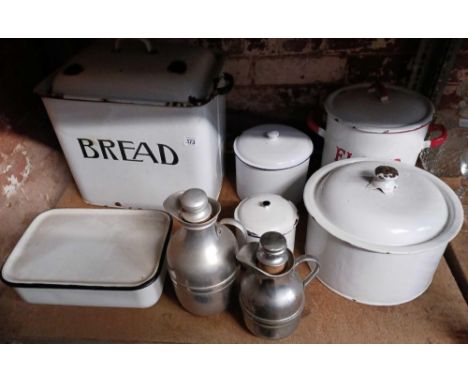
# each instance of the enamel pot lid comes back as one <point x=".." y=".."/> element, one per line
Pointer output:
<point x="266" y="212"/>
<point x="377" y="108"/>
<point x="380" y="206"/>
<point x="273" y="147"/>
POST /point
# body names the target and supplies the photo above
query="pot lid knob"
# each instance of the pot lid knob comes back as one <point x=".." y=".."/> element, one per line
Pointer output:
<point x="272" y="254"/>
<point x="195" y="207"/>
<point x="272" y="134"/>
<point x="385" y="179"/>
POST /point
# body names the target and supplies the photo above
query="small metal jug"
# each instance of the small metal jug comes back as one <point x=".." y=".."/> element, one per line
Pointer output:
<point x="201" y="255"/>
<point x="271" y="291"/>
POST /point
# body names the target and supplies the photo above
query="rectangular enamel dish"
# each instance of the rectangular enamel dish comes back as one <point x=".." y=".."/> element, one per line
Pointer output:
<point x="91" y="257"/>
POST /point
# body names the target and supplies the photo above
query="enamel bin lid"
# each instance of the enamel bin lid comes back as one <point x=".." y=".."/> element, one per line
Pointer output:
<point x="266" y="212"/>
<point x="90" y="249"/>
<point x="383" y="206"/>
<point x="136" y="71"/>
<point x="379" y="108"/>
<point x="273" y="147"/>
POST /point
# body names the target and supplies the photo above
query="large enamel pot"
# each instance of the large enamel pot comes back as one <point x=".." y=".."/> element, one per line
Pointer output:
<point x="373" y="121"/>
<point x="379" y="229"/>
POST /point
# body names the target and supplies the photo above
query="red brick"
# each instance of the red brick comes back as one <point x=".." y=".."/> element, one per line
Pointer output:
<point x="371" y="45"/>
<point x="388" y="68"/>
<point x="240" y="68"/>
<point x="298" y="70"/>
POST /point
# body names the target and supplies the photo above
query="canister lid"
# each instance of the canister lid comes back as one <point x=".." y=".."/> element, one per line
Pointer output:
<point x="373" y="204"/>
<point x="364" y="107"/>
<point x="137" y="71"/>
<point x="273" y="147"/>
<point x="266" y="212"/>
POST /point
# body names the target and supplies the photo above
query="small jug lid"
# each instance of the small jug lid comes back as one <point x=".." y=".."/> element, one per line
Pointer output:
<point x="266" y="212"/>
<point x="272" y="252"/>
<point x="273" y="147"/>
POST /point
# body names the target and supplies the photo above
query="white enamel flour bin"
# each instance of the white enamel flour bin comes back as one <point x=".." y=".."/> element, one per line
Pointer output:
<point x="139" y="120"/>
<point x="380" y="122"/>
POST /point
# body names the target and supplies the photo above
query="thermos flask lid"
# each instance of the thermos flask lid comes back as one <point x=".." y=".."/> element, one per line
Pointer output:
<point x="195" y="207"/>
<point x="272" y="251"/>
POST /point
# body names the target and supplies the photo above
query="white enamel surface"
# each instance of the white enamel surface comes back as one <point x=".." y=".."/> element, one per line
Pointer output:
<point x="196" y="134"/>
<point x="359" y="224"/>
<point x="87" y="247"/>
<point x="288" y="183"/>
<point x="257" y="218"/>
<point x="134" y="75"/>
<point x="138" y="298"/>
<point x="356" y="106"/>
<point x="370" y="277"/>
<point x="273" y="147"/>
<point x="347" y="199"/>
<point x="342" y="142"/>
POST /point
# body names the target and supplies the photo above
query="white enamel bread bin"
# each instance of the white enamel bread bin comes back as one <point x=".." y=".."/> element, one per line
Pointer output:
<point x="139" y="120"/>
<point x="91" y="257"/>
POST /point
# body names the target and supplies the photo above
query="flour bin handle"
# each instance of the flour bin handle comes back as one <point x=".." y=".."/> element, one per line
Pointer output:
<point x="314" y="127"/>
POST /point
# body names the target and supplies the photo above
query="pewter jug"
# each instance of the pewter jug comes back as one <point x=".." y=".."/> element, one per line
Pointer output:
<point x="271" y="290"/>
<point x="201" y="255"/>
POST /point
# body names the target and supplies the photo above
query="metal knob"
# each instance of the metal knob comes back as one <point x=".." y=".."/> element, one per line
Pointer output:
<point x="272" y="253"/>
<point x="195" y="207"/>
<point x="385" y="179"/>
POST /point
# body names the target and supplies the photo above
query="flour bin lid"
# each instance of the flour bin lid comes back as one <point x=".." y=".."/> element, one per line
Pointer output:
<point x="378" y="108"/>
<point x="266" y="212"/>
<point x="273" y="147"/>
<point x="137" y="71"/>
<point x="382" y="206"/>
<point x="90" y="248"/>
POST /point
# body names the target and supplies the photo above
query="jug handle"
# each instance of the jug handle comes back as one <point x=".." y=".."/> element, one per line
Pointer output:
<point x="313" y="272"/>
<point x="238" y="225"/>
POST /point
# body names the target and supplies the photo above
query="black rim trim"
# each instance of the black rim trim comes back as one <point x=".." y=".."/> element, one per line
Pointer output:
<point x="98" y="287"/>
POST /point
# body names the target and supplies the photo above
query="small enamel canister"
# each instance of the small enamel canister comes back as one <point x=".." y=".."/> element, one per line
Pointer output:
<point x="272" y="159"/>
<point x="268" y="212"/>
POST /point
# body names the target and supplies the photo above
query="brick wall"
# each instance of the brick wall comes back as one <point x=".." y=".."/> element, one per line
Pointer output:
<point x="282" y="79"/>
<point x="455" y="95"/>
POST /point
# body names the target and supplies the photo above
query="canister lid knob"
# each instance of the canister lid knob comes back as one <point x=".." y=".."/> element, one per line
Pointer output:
<point x="385" y="179"/>
<point x="272" y="134"/>
<point x="272" y="253"/>
<point x="195" y="207"/>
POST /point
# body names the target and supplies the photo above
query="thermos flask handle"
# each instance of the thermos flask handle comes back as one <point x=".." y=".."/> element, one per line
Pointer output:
<point x="239" y="226"/>
<point x="313" y="272"/>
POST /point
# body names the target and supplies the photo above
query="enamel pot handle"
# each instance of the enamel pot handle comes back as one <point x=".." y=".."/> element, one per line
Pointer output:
<point x="234" y="223"/>
<point x="437" y="141"/>
<point x="313" y="272"/>
<point x="314" y="127"/>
